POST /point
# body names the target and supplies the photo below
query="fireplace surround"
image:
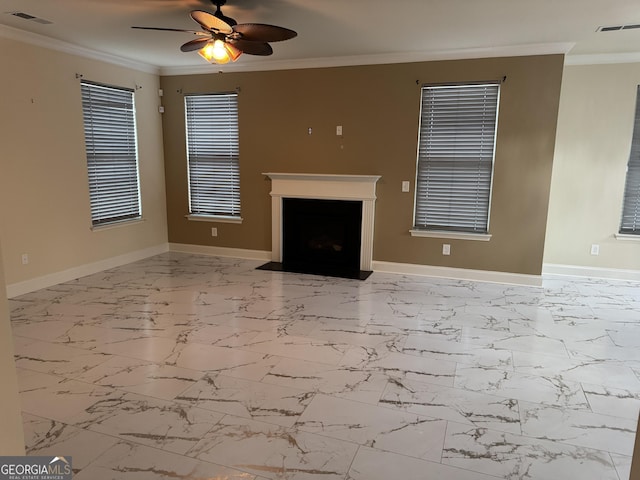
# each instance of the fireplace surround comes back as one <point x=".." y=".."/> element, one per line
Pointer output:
<point x="354" y="189"/>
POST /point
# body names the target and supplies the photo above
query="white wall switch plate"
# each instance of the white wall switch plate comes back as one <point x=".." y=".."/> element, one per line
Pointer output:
<point x="214" y="231"/>
<point x="405" y="186"/>
<point x="446" y="249"/>
<point x="595" y="249"/>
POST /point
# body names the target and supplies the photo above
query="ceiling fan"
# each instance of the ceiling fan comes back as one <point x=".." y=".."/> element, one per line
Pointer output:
<point x="222" y="39"/>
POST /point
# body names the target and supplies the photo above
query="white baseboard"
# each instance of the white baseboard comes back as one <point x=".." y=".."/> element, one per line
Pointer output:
<point x="27" y="286"/>
<point x="458" y="273"/>
<point x="221" y="251"/>
<point x="385" y="267"/>
<point x="590" y="272"/>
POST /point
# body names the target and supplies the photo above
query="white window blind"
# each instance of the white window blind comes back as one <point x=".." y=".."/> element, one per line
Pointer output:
<point x="112" y="157"/>
<point x="455" y="157"/>
<point x="213" y="154"/>
<point x="630" y="223"/>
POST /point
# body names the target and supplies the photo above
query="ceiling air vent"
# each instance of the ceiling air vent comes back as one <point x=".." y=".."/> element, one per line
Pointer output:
<point x="26" y="16"/>
<point x="616" y="28"/>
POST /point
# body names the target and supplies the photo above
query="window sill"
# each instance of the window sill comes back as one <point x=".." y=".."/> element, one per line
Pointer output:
<point x="122" y="223"/>
<point x="481" y="237"/>
<point x="627" y="237"/>
<point x="213" y="218"/>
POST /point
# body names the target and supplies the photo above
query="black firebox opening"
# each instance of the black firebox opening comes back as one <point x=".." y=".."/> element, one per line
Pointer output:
<point x="321" y="237"/>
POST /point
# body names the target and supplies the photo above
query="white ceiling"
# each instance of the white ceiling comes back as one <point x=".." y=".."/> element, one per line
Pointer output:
<point x="340" y="32"/>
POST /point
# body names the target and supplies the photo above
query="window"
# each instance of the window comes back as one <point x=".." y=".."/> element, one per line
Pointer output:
<point x="213" y="155"/>
<point x="455" y="158"/>
<point x="630" y="223"/>
<point x="112" y="157"/>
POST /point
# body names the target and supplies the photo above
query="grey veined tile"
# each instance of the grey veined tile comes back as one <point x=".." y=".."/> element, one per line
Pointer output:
<point x="167" y="425"/>
<point x="549" y="390"/>
<point x="232" y="362"/>
<point x="519" y="457"/>
<point x="58" y="398"/>
<point x="127" y="461"/>
<point x="623" y="465"/>
<point x="57" y="359"/>
<point x="577" y="427"/>
<point x="373" y="426"/>
<point x="465" y="353"/>
<point x="49" y="437"/>
<point x="75" y="334"/>
<point x="274" y="452"/>
<point x="302" y="348"/>
<point x="371" y="464"/>
<point x="338" y="381"/>
<point x="453" y="404"/>
<point x="140" y="376"/>
<point x="535" y="343"/>
<point x="245" y="398"/>
<point x="600" y="373"/>
<point x="202" y="367"/>
<point x="613" y="401"/>
<point x="152" y="349"/>
<point x="400" y="365"/>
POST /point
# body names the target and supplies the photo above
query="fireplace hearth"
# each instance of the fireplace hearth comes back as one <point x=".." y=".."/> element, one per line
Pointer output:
<point x="322" y="224"/>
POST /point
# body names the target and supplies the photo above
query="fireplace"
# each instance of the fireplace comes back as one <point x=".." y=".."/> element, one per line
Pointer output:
<point x="321" y="236"/>
<point x="322" y="224"/>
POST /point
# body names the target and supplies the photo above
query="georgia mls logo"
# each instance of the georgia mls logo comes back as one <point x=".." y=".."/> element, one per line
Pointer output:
<point x="35" y="468"/>
<point x="63" y="465"/>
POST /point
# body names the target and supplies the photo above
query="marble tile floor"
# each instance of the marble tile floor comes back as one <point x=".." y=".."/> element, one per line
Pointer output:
<point x="191" y="367"/>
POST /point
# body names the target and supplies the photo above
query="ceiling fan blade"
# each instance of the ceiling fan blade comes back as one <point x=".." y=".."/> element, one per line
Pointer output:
<point x="252" y="48"/>
<point x="194" y="45"/>
<point x="208" y="21"/>
<point x="260" y="32"/>
<point x="172" y="30"/>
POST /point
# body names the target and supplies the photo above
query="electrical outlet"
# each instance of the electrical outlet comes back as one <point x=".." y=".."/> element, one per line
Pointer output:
<point x="214" y="231"/>
<point x="595" y="249"/>
<point x="339" y="130"/>
<point x="25" y="259"/>
<point x="405" y="186"/>
<point x="446" y="249"/>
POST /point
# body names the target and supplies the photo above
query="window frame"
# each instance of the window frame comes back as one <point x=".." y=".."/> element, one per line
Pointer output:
<point x="227" y="151"/>
<point x="630" y="215"/>
<point x="426" y="136"/>
<point x="111" y="140"/>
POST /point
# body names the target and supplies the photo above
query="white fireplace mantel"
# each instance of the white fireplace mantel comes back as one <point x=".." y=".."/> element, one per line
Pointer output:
<point x="324" y="187"/>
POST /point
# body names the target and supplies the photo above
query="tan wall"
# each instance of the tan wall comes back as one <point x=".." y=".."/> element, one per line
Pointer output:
<point x="595" y="126"/>
<point x="11" y="432"/>
<point x="44" y="193"/>
<point x="378" y="107"/>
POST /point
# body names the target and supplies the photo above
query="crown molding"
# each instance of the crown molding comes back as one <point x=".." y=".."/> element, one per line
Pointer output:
<point x="323" y="62"/>
<point x="348" y="61"/>
<point x="65" y="47"/>
<point x="602" y="58"/>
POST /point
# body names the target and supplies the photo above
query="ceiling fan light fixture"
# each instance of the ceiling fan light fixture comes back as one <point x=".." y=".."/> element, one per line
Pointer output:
<point x="222" y="40"/>
<point x="233" y="52"/>
<point x="206" y="52"/>
<point x="219" y="52"/>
